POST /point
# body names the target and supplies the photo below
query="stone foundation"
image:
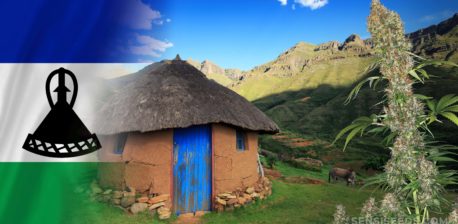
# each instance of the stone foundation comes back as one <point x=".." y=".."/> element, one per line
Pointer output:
<point x="133" y="201"/>
<point x="229" y="200"/>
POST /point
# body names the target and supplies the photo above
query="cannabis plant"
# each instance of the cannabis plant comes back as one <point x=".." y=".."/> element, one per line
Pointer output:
<point x="412" y="177"/>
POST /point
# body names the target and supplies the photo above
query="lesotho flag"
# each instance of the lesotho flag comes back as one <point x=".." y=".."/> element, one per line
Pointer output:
<point x="93" y="39"/>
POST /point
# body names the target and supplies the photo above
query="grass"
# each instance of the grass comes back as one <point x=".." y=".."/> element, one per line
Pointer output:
<point x="220" y="78"/>
<point x="334" y="73"/>
<point x="287" y="170"/>
<point x="289" y="203"/>
<point x="297" y="203"/>
<point x="99" y="213"/>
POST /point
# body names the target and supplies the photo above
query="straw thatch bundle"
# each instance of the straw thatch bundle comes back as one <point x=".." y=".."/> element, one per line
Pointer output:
<point x="174" y="94"/>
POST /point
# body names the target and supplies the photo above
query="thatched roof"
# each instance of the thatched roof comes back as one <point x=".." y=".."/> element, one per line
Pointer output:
<point x="174" y="94"/>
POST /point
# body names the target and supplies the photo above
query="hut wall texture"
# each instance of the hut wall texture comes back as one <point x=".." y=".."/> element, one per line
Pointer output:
<point x="233" y="169"/>
<point x="145" y="163"/>
<point x="111" y="168"/>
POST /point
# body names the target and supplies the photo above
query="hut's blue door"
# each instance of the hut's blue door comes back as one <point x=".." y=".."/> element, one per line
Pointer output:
<point x="192" y="176"/>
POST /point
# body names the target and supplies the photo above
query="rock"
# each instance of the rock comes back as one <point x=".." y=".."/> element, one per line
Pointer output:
<point x="226" y="195"/>
<point x="128" y="194"/>
<point x="266" y="180"/>
<point x="333" y="45"/>
<point x="107" y="191"/>
<point x="254" y="195"/>
<point x="164" y="213"/>
<point x="117" y="194"/>
<point x="165" y="216"/>
<point x="116" y="201"/>
<point x="219" y="208"/>
<point x="241" y="200"/>
<point x="237" y="205"/>
<point x="138" y="207"/>
<point x="208" y="67"/>
<point x="234" y="74"/>
<point x="105" y="198"/>
<point x="127" y="201"/>
<point x="95" y="189"/>
<point x="143" y="199"/>
<point x="354" y="42"/>
<point x="249" y="190"/>
<point x="131" y="189"/>
<point x="160" y="198"/>
<point x="157" y="205"/>
<point x="232" y="201"/>
<point x="220" y="201"/>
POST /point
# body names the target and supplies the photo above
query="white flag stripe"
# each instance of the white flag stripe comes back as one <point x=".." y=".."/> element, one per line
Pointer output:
<point x="23" y="102"/>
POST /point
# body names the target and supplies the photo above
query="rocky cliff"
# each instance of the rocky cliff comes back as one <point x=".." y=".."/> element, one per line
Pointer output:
<point x="211" y="69"/>
<point x="437" y="41"/>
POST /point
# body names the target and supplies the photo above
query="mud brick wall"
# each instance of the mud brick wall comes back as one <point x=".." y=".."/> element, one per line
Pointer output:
<point x="145" y="163"/>
<point x="233" y="169"/>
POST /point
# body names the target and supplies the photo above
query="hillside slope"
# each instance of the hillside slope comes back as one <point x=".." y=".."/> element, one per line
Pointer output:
<point x="304" y="88"/>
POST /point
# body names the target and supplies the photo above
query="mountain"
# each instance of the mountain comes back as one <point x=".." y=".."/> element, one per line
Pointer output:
<point x="438" y="41"/>
<point x="223" y="76"/>
<point x="308" y="66"/>
<point x="304" y="88"/>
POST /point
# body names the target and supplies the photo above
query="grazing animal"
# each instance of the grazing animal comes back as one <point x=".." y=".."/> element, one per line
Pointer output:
<point x="348" y="175"/>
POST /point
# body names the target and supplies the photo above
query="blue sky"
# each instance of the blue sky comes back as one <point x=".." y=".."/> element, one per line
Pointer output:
<point x="246" y="33"/>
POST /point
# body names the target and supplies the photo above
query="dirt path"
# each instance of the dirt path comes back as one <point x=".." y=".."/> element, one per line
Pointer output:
<point x="190" y="218"/>
<point x="187" y="220"/>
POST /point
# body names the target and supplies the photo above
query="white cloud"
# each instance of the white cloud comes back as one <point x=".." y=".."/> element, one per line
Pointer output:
<point x="283" y="2"/>
<point x="140" y="16"/>
<point x="149" y="46"/>
<point x="312" y="4"/>
<point x="158" y="22"/>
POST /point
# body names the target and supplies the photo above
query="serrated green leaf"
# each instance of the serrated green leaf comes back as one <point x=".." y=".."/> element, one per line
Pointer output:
<point x="414" y="74"/>
<point x="350" y="136"/>
<point x="431" y="105"/>
<point x="451" y="116"/>
<point x="446" y="101"/>
<point x="345" y="130"/>
<point x="452" y="109"/>
<point x="422" y="97"/>
<point x="424" y="73"/>
<point x="354" y="92"/>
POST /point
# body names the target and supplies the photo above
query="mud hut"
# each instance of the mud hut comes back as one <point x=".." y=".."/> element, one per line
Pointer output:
<point x="170" y="130"/>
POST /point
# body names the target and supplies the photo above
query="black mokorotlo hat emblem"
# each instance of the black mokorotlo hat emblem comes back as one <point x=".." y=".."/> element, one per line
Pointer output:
<point x="61" y="133"/>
